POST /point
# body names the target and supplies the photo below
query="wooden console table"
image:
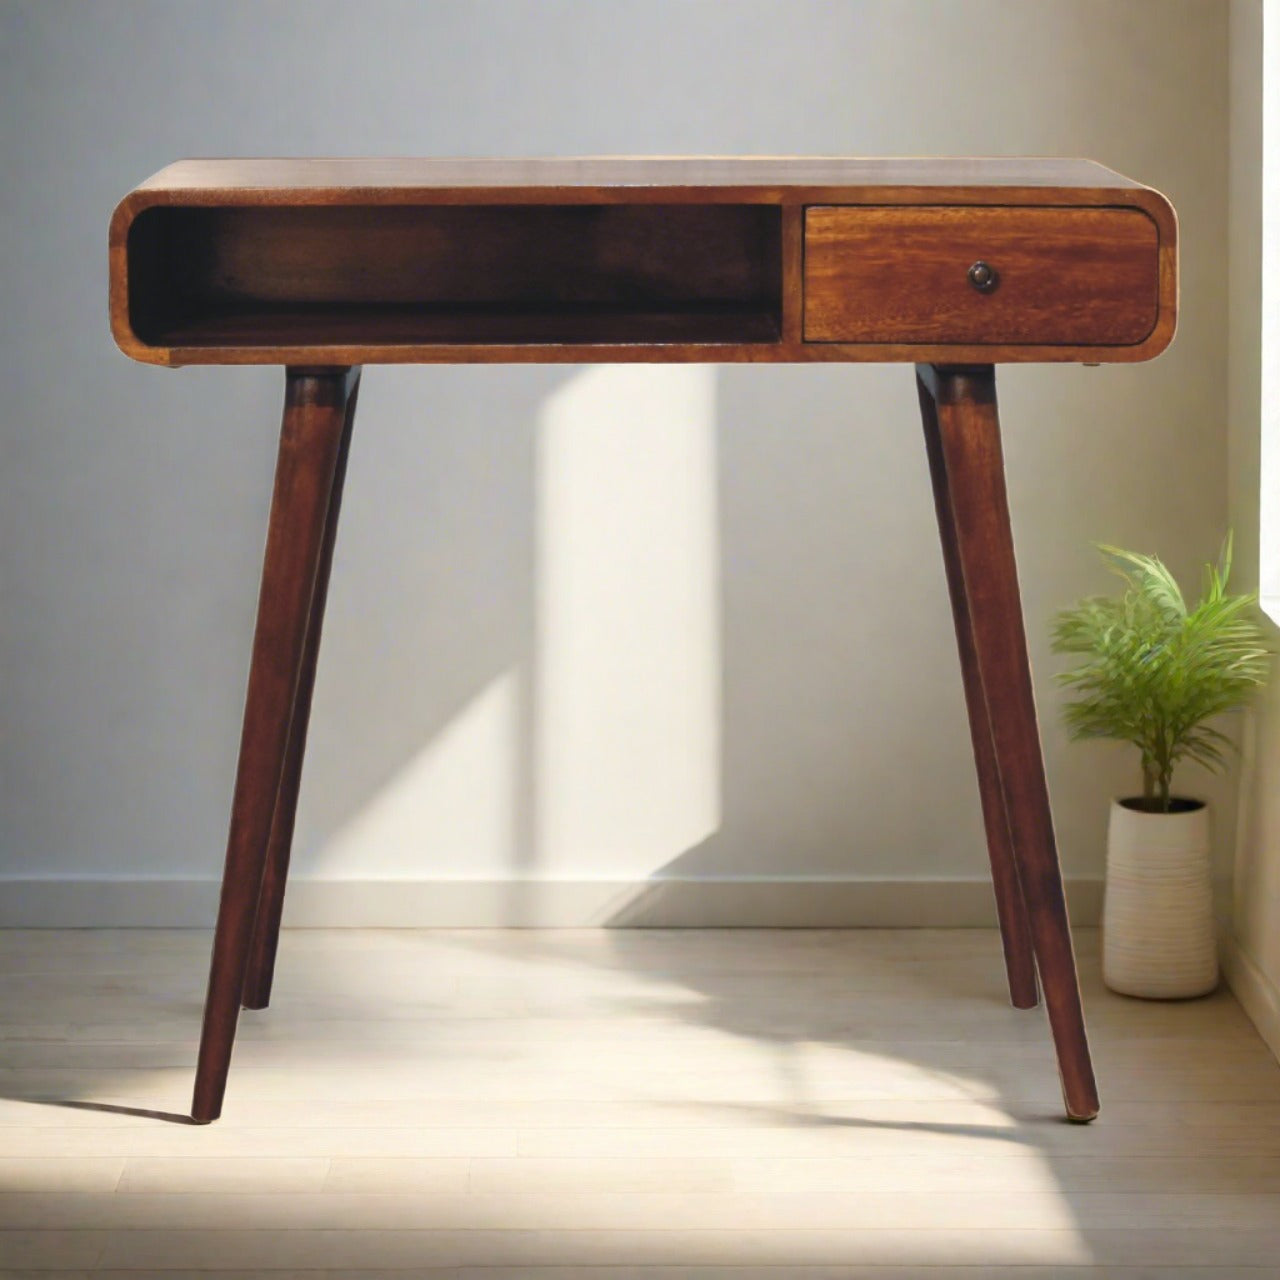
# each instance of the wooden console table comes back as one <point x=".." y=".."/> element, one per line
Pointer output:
<point x="951" y="265"/>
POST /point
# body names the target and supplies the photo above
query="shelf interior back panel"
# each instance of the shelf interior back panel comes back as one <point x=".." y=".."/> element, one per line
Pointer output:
<point x="494" y="273"/>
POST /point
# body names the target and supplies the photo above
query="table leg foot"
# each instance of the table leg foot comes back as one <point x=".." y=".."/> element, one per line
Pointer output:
<point x="967" y="428"/>
<point x="315" y="416"/>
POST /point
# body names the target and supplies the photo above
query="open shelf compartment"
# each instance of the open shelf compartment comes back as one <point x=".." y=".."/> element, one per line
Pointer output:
<point x="321" y="275"/>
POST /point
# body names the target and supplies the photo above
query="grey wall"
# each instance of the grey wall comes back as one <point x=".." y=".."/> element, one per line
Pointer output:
<point x="807" y="635"/>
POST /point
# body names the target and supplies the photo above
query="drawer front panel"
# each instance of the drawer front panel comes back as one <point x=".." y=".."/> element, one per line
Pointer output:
<point x="1062" y="276"/>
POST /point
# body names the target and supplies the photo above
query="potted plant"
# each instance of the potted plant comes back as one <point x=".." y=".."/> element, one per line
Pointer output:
<point x="1154" y="673"/>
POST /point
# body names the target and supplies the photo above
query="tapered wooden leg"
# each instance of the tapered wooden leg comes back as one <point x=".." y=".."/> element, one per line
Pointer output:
<point x="310" y="441"/>
<point x="1015" y="933"/>
<point x="266" y="933"/>
<point x="968" y="434"/>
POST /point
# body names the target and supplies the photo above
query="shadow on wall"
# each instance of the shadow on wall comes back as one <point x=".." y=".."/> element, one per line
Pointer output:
<point x="631" y="638"/>
<point x="585" y="722"/>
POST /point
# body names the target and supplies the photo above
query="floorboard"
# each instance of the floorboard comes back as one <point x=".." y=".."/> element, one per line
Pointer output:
<point x="622" y="1104"/>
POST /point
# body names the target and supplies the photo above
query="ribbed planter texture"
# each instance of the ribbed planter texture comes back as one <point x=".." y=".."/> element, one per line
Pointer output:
<point x="1158" y="937"/>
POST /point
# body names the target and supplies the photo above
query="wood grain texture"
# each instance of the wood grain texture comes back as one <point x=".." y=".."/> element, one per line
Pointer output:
<point x="266" y="930"/>
<point x="612" y="259"/>
<point x="497" y="255"/>
<point x="1011" y="909"/>
<point x="315" y="416"/>
<point x="967" y="429"/>
<point x="1069" y="276"/>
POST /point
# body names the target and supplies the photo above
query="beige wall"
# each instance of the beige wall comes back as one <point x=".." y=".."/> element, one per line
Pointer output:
<point x="1253" y="952"/>
<point x="582" y="626"/>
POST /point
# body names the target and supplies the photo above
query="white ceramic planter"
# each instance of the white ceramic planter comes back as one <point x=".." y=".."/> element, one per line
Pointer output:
<point x="1158" y="937"/>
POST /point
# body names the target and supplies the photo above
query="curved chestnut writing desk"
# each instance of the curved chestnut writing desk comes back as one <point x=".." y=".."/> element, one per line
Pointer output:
<point x="952" y="265"/>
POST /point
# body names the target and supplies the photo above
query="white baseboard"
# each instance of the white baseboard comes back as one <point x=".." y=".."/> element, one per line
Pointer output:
<point x="459" y="904"/>
<point x="1255" y="991"/>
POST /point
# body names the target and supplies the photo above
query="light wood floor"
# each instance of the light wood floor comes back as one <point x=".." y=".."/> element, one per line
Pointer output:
<point x="576" y="1104"/>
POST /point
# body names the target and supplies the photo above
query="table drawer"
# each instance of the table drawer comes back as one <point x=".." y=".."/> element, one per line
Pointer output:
<point x="1053" y="276"/>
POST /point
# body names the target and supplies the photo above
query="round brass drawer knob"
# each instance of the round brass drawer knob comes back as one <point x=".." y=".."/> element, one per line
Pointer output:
<point x="983" y="276"/>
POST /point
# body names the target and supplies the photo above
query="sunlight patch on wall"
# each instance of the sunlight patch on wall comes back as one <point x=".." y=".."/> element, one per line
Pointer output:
<point x="627" y="691"/>
<point x="450" y="810"/>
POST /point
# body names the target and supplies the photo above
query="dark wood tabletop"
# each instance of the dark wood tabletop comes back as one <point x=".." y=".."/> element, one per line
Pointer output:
<point x="359" y="261"/>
